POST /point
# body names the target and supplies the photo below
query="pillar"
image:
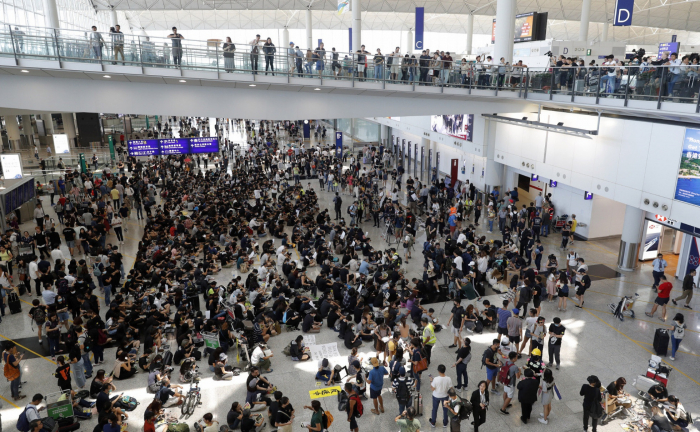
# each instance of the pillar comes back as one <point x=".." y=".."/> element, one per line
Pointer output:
<point x="69" y="127"/>
<point x="604" y="38"/>
<point x="631" y="238"/>
<point x="113" y="17"/>
<point x="357" y="25"/>
<point x="470" y="32"/>
<point x="505" y="25"/>
<point x="50" y="14"/>
<point x="585" y="18"/>
<point x="12" y="127"/>
<point x="409" y="42"/>
<point x="309" y="31"/>
<point x="385" y="135"/>
<point x="48" y="123"/>
<point x="425" y="144"/>
<point x="285" y="38"/>
<point x="493" y="171"/>
<point x="27" y="128"/>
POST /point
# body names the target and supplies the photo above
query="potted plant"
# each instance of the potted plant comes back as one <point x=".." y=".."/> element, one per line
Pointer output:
<point x="541" y="80"/>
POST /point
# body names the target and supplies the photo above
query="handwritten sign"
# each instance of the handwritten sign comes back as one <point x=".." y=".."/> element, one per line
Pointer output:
<point x="326" y="392"/>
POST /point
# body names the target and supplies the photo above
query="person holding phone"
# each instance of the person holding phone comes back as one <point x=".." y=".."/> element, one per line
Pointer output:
<point x="13" y="373"/>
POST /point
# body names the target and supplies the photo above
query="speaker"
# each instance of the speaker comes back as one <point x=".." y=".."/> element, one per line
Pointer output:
<point x="89" y="128"/>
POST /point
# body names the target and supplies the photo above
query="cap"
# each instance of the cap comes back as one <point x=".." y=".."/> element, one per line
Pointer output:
<point x="505" y="340"/>
<point x="515" y="310"/>
<point x="324" y="362"/>
<point x="291" y="43"/>
<point x="536" y="352"/>
<point x="223" y="356"/>
<point x="374" y="361"/>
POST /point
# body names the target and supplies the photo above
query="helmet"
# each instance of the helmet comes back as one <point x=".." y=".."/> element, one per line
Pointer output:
<point x="536" y="352"/>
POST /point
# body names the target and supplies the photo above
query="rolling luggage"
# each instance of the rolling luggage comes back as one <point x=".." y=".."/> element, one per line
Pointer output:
<point x="418" y="404"/>
<point x="14" y="303"/>
<point x="661" y="339"/>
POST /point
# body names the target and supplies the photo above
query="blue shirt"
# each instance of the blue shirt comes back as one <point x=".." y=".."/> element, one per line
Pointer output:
<point x="452" y="220"/>
<point x="364" y="268"/>
<point x="659" y="265"/>
<point x="503" y="316"/>
<point x="376" y="377"/>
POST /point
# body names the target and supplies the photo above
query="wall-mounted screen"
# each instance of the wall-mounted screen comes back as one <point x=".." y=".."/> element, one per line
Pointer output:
<point x="60" y="144"/>
<point x="456" y="125"/>
<point x="524" y="27"/>
<point x="688" y="182"/>
<point x="11" y="166"/>
<point x="173" y="146"/>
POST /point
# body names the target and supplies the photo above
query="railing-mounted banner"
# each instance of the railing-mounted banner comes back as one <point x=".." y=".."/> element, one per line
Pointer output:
<point x="339" y="145"/>
<point x="623" y="12"/>
<point x="420" y="21"/>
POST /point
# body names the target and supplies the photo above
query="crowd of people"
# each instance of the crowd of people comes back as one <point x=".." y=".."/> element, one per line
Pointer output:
<point x="293" y="267"/>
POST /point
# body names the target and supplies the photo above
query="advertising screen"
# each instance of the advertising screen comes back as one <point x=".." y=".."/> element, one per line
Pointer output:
<point x="204" y="145"/>
<point x="11" y="166"/>
<point x="524" y="27"/>
<point x="143" y="147"/>
<point x="60" y="144"/>
<point x="458" y="125"/>
<point x="668" y="47"/>
<point x="688" y="183"/>
<point x="651" y="241"/>
<point x="173" y="146"/>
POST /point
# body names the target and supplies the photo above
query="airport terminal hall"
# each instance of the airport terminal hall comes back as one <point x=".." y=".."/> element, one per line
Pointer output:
<point x="350" y="215"/>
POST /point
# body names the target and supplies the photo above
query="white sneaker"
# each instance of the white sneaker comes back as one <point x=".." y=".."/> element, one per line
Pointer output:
<point x="672" y="358"/>
<point x="541" y="414"/>
<point x="543" y="421"/>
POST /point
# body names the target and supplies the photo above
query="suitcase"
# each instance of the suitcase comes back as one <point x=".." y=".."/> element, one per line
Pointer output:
<point x="418" y="404"/>
<point x="50" y="424"/>
<point x="168" y="358"/>
<point x="248" y="326"/>
<point x="22" y="289"/>
<point x="14" y="303"/>
<point x="661" y="339"/>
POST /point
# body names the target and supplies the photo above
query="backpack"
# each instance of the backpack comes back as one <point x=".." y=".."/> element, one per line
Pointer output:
<point x="58" y="208"/>
<point x="504" y="373"/>
<point x="488" y="354"/>
<point x="466" y="409"/>
<point x="327" y="419"/>
<point x="359" y="409"/>
<point x="130" y="404"/>
<point x="403" y="394"/>
<point x="343" y="401"/>
<point x="101" y="337"/>
<point x="39" y="315"/>
<point x="87" y="344"/>
<point x="288" y="349"/>
<point x="525" y="295"/>
<point x="62" y="286"/>
<point x="22" y="422"/>
<point x="564" y="290"/>
<point x="349" y="209"/>
<point x="96" y="270"/>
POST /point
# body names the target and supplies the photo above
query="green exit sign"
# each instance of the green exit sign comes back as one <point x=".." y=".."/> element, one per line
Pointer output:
<point x="588" y="52"/>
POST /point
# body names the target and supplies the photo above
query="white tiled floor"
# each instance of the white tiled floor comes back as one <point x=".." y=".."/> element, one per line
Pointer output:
<point x="595" y="343"/>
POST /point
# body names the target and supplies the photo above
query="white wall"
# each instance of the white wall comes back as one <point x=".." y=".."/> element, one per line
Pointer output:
<point x="607" y="218"/>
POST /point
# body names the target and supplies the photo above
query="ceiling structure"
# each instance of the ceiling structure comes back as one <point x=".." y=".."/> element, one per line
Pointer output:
<point x="653" y="20"/>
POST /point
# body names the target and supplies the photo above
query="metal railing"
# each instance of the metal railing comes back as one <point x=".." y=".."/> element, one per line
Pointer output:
<point x="662" y="83"/>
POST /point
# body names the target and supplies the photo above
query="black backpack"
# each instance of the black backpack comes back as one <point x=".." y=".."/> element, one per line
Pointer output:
<point x="403" y="394"/>
<point x="466" y="409"/>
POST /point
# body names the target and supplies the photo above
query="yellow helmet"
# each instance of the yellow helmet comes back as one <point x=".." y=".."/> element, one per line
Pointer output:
<point x="536" y="352"/>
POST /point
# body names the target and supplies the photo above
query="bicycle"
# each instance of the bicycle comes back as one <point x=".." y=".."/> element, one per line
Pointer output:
<point x="193" y="398"/>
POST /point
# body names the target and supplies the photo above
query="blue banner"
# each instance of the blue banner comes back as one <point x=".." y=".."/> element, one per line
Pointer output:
<point x="693" y="256"/>
<point x="307" y="129"/>
<point x="339" y="145"/>
<point x="420" y="21"/>
<point x="623" y="12"/>
<point x="350" y="38"/>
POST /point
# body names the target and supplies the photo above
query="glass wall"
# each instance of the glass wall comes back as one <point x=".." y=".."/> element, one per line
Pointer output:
<point x="359" y="129"/>
<point x="72" y="14"/>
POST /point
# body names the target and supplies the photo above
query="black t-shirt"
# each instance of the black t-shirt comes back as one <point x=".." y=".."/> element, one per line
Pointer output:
<point x="457" y="316"/>
<point x="102" y="402"/>
<point x="559" y="330"/>
<point x="247" y="425"/>
<point x="308" y="323"/>
<point x="69" y="234"/>
<point x="165" y="393"/>
<point x="463" y="353"/>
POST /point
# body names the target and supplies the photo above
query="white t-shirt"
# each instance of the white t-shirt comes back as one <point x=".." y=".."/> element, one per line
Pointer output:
<point x="530" y="323"/>
<point x="441" y="385"/>
<point x="257" y="355"/>
<point x="327" y="368"/>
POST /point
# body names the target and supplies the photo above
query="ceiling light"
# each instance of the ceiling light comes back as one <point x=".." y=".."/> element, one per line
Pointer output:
<point x="183" y="81"/>
<point x="106" y="76"/>
<point x="251" y="85"/>
<point x="25" y="71"/>
<point x="317" y="88"/>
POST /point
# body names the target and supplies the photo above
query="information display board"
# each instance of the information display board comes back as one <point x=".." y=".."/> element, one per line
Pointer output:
<point x="60" y="144"/>
<point x="173" y="146"/>
<point x="11" y="165"/>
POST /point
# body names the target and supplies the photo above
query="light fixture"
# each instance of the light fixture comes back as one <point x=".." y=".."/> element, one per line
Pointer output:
<point x="317" y="89"/>
<point x="558" y="128"/>
<point x="25" y="71"/>
<point x="183" y="81"/>
<point x="106" y="76"/>
<point x="252" y="85"/>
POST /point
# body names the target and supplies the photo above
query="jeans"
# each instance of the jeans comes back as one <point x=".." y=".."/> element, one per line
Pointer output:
<point x="86" y="364"/>
<point x="554" y="353"/>
<point x="269" y="63"/>
<point x="79" y="373"/>
<point x="501" y="224"/>
<point x="378" y="71"/>
<point x="324" y="375"/>
<point x="672" y="82"/>
<point x="657" y="277"/>
<point x="545" y="229"/>
<point x="437" y="403"/>
<point x="119" y="233"/>
<point x="53" y="346"/>
<point x="675" y="343"/>
<point x="98" y="352"/>
<point x="462" y="373"/>
<point x="605" y="85"/>
<point x="402" y="408"/>
<point x="14" y="387"/>
<point x="490" y="224"/>
<point x="108" y="292"/>
<point x="416" y="377"/>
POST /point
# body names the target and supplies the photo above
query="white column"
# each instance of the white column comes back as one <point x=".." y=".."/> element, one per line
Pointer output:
<point x="27" y="129"/>
<point x="470" y="32"/>
<point x="425" y="143"/>
<point x="505" y="25"/>
<point x="385" y="135"/>
<point x="69" y="126"/>
<point x="631" y="238"/>
<point x="12" y="127"/>
<point x="309" y="31"/>
<point x="48" y="123"/>
<point x="113" y="16"/>
<point x="50" y="13"/>
<point x="285" y="38"/>
<point x="357" y="25"/>
<point x="409" y="42"/>
<point x="585" y="18"/>
<point x="604" y="38"/>
<point x="493" y="171"/>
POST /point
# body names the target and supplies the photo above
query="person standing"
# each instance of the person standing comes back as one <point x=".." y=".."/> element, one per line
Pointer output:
<point x="662" y="298"/>
<point x="12" y="368"/>
<point x="547" y="387"/>
<point x="177" y="46"/>
<point x="510" y="379"/>
<point x="254" y="52"/>
<point x="440" y="386"/>
<point x="688" y="285"/>
<point x="659" y="265"/>
<point x="39" y="216"/>
<point x="527" y="394"/>
<point x="677" y="333"/>
<point x="583" y="285"/>
<point x="453" y="405"/>
<point x="591" y="402"/>
<point x="457" y="320"/>
<point x="464" y="356"/>
<point x="375" y="379"/>
<point x="269" y="50"/>
<point x="480" y="403"/>
<point x="117" y="43"/>
<point x="407" y="421"/>
<point x="429" y="338"/>
<point x="354" y="406"/>
<point x="556" y="333"/>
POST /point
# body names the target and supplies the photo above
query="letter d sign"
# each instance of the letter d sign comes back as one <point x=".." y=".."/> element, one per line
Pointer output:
<point x="623" y="12"/>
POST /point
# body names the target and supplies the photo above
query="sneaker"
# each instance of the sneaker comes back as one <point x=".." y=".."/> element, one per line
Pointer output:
<point x="674" y="302"/>
<point x="672" y="358"/>
<point x="557" y="367"/>
<point x="542" y="414"/>
<point x="549" y="365"/>
<point x="452" y="346"/>
<point x="580" y="307"/>
<point x="503" y="412"/>
<point x="432" y="425"/>
<point x="494" y="391"/>
<point x="687" y="306"/>
<point x="303" y="425"/>
<point x="543" y="421"/>
<point x="41" y="341"/>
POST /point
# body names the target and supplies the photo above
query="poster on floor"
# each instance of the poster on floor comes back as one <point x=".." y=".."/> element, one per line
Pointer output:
<point x="688" y="182"/>
<point x="458" y="125"/>
<point x="319" y="352"/>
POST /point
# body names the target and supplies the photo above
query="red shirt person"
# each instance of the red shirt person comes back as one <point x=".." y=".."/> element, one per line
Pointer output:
<point x="662" y="298"/>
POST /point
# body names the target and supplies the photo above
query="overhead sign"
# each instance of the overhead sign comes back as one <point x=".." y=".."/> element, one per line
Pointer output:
<point x="668" y="47"/>
<point x="173" y="146"/>
<point x="420" y="23"/>
<point x="11" y="165"/>
<point x="339" y="145"/>
<point x="623" y="12"/>
<point x="60" y="144"/>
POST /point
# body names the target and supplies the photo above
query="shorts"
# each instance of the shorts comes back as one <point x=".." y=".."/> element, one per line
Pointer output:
<point x="71" y="243"/>
<point x="536" y="302"/>
<point x="395" y="69"/>
<point x="581" y="291"/>
<point x="63" y="316"/>
<point x="528" y="335"/>
<point x="373" y="394"/>
<point x="503" y="331"/>
<point x="319" y="65"/>
<point x="661" y="301"/>
<point x="491" y="373"/>
<point x="456" y="331"/>
<point x="353" y="423"/>
<point x="514" y="339"/>
<point x="509" y="390"/>
<point x="361" y="68"/>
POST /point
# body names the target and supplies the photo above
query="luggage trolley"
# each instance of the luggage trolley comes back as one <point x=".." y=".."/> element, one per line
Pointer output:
<point x="560" y="222"/>
<point x="624" y="307"/>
